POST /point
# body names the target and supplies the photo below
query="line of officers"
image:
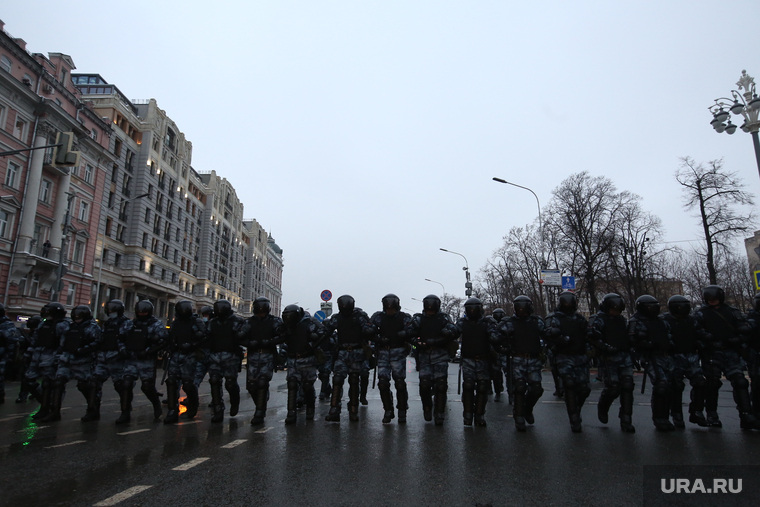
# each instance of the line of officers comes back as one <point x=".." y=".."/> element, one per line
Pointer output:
<point x="702" y="346"/>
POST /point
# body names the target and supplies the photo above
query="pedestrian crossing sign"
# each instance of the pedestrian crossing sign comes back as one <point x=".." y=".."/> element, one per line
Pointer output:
<point x="757" y="280"/>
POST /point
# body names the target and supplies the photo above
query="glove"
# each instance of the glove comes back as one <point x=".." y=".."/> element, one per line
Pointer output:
<point x="566" y="339"/>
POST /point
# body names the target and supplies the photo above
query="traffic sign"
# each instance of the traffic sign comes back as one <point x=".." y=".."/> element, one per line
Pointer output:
<point x="327" y="308"/>
<point x="320" y="315"/>
<point x="551" y="277"/>
<point x="757" y="280"/>
<point x="568" y="282"/>
<point x="326" y="295"/>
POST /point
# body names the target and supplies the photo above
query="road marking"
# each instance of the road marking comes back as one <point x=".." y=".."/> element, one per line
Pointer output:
<point x="35" y="428"/>
<point x="190" y="464"/>
<point x="183" y="423"/>
<point x="133" y="432"/>
<point x="264" y="430"/>
<point x="67" y="444"/>
<point x="120" y="497"/>
<point x="234" y="443"/>
<point x="10" y="418"/>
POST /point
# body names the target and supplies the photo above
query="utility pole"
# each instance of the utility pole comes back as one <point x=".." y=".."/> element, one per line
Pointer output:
<point x="55" y="294"/>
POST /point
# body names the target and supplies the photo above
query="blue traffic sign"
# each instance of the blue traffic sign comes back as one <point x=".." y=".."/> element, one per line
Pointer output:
<point x="326" y="295"/>
<point x="568" y="282"/>
<point x="320" y="315"/>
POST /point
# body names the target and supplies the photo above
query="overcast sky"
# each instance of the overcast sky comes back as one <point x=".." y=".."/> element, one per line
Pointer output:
<point x="364" y="134"/>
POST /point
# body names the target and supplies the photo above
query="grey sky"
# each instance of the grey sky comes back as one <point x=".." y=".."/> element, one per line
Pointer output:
<point x="364" y="134"/>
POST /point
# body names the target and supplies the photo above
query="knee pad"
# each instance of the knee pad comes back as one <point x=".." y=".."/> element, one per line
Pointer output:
<point x="626" y="383"/>
<point x="230" y="383"/>
<point x="468" y="384"/>
<point x="482" y="385"/>
<point x="660" y="388"/>
<point x="520" y="386"/>
<point x="426" y="384"/>
<point x="292" y="385"/>
<point x="441" y="386"/>
<point x="739" y="381"/>
<point x="250" y="384"/>
<point x="215" y="380"/>
<point x="613" y="389"/>
<point x="172" y="383"/>
<point x="698" y="381"/>
<point x="353" y="378"/>
<point x="583" y="390"/>
<point x="83" y="385"/>
<point x="262" y="383"/>
<point x="679" y="385"/>
<point x="384" y="384"/>
<point x="535" y="390"/>
<point x="568" y="383"/>
<point x="400" y="384"/>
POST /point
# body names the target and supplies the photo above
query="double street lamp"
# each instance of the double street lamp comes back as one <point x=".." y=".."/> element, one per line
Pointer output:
<point x="745" y="103"/>
<point x="439" y="283"/>
<point x="466" y="269"/>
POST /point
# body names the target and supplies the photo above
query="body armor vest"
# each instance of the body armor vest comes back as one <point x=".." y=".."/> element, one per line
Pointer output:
<point x="75" y="337"/>
<point x="575" y="328"/>
<point x="390" y="327"/>
<point x="111" y="334"/>
<point x="527" y="338"/>
<point x="298" y="340"/>
<point x="222" y="335"/>
<point x="138" y="338"/>
<point x="349" y="331"/>
<point x="431" y="327"/>
<point x="46" y="335"/>
<point x="615" y="331"/>
<point x="475" y="339"/>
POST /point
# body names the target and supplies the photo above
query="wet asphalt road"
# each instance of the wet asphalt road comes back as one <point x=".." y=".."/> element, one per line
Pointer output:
<point x="350" y="463"/>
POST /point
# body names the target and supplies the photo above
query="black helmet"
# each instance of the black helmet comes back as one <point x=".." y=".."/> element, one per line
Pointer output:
<point x="346" y="305"/>
<point x="207" y="311"/>
<point x="648" y="305"/>
<point x="222" y="309"/>
<point x="473" y="308"/>
<point x="184" y="309"/>
<point x="115" y="306"/>
<point x="523" y="306"/>
<point x="81" y="313"/>
<point x="45" y="311"/>
<point x="431" y="303"/>
<point x="56" y="311"/>
<point x="391" y="302"/>
<point x="713" y="293"/>
<point x="2" y="310"/>
<point x="144" y="309"/>
<point x="498" y="314"/>
<point x="679" y="306"/>
<point x="612" y="301"/>
<point x="33" y="322"/>
<point x="568" y="302"/>
<point x="292" y="315"/>
<point x="261" y="306"/>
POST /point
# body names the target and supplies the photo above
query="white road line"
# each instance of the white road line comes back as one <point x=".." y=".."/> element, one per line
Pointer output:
<point x="183" y="423"/>
<point x="133" y="432"/>
<point x="34" y="428"/>
<point x="234" y="443"/>
<point x="120" y="497"/>
<point x="264" y="430"/>
<point x="67" y="444"/>
<point x="190" y="464"/>
<point x="10" y="418"/>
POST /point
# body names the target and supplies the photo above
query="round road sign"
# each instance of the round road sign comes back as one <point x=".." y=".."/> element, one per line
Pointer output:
<point x="326" y="295"/>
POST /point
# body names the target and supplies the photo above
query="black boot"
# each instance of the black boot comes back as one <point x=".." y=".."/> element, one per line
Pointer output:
<point x="148" y="388"/>
<point x="439" y="403"/>
<point x="325" y="390"/>
<point x="309" y="399"/>
<point x="573" y="410"/>
<point x="172" y="402"/>
<point x="124" y="388"/>
<point x="626" y="412"/>
<point x="660" y="410"/>
<point x="292" y="402"/>
<point x="217" y="402"/>
<point x="468" y="404"/>
<point x="747" y="419"/>
<point x="518" y="410"/>
<point x="353" y="397"/>
<point x="337" y="393"/>
<point x="191" y="402"/>
<point x="363" y="385"/>
<point x="387" y="398"/>
<point x="56" y="399"/>
<point x="45" y="394"/>
<point x="481" y="399"/>
<point x="260" y="400"/>
<point x="531" y="398"/>
<point x="426" y="395"/>
<point x="93" y="402"/>
<point x="234" y="390"/>
<point x="402" y="400"/>
<point x="603" y="408"/>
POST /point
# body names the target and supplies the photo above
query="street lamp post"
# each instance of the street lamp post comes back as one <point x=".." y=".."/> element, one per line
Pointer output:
<point x="466" y="269"/>
<point x="544" y="261"/>
<point x="103" y="207"/>
<point x="439" y="283"/>
<point x="745" y="103"/>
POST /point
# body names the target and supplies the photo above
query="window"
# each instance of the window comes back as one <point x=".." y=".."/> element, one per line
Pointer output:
<point x="71" y="295"/>
<point x="84" y="211"/>
<point x="46" y="190"/>
<point x="5" y="220"/>
<point x="20" y="128"/>
<point x="88" y="172"/>
<point x="12" y="174"/>
<point x="28" y="81"/>
<point x="78" y="255"/>
<point x="94" y="134"/>
<point x="5" y="63"/>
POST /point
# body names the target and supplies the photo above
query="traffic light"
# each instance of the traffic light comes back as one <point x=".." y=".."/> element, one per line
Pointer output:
<point x="62" y="155"/>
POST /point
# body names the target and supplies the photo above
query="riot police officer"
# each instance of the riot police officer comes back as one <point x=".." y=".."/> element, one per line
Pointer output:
<point x="478" y="334"/>
<point x="686" y="363"/>
<point x="9" y="339"/>
<point x="651" y="340"/>
<point x="752" y="354"/>
<point x="302" y="336"/>
<point x="225" y="358"/>
<point x="497" y="367"/>
<point x="522" y="333"/>
<point x="43" y="351"/>
<point x="201" y="365"/>
<point x="435" y="336"/>
<point x="78" y="348"/>
<point x="23" y="358"/>
<point x="352" y="329"/>
<point x="260" y="334"/>
<point x="186" y="333"/>
<point x="609" y="334"/>
<point x="567" y="334"/>
<point x="146" y="336"/>
<point x="392" y="348"/>
<point x="725" y="331"/>
<point x="109" y="362"/>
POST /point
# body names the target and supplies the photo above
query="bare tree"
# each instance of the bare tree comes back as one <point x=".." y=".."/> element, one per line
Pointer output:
<point x="715" y="193"/>
<point x="585" y="215"/>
